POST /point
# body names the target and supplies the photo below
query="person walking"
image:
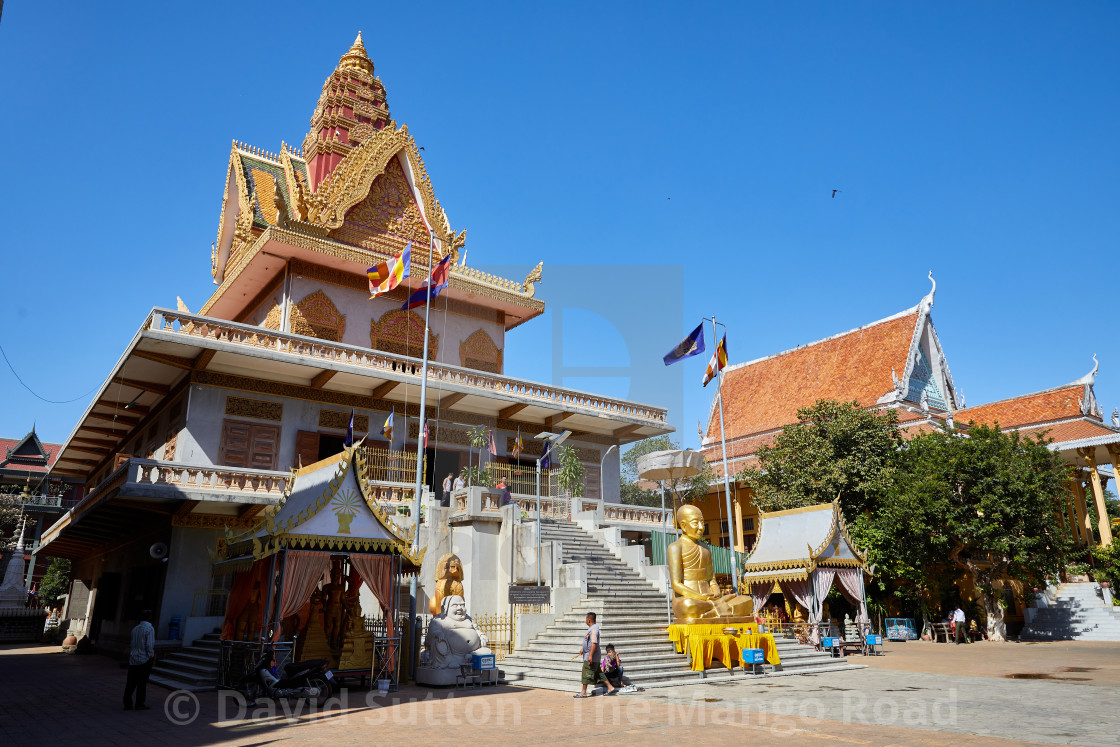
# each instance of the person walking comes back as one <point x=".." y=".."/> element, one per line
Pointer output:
<point x="141" y="657"/>
<point x="461" y="481"/>
<point x="592" y="673"/>
<point x="959" y="629"/>
<point x="445" y="499"/>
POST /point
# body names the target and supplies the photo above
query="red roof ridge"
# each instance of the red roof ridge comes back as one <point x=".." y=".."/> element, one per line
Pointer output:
<point x="1052" y="389"/>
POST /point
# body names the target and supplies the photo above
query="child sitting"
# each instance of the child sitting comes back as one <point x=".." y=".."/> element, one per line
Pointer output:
<point x="612" y="666"/>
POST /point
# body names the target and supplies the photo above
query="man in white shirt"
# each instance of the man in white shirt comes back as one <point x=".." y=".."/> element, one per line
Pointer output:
<point x="141" y="657"/>
<point x="961" y="636"/>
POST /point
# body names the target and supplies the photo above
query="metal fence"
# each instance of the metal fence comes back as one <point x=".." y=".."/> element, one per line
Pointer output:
<point x="389" y="465"/>
<point x="522" y="479"/>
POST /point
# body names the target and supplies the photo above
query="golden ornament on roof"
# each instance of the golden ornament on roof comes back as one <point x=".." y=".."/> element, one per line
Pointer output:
<point x="356" y="58"/>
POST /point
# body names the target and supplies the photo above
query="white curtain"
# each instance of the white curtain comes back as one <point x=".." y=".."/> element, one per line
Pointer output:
<point x="798" y="591"/>
<point x="760" y="592"/>
<point x="852" y="589"/>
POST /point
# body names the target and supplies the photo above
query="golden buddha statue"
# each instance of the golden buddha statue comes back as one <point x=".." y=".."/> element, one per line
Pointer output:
<point x="697" y="597"/>
<point x="449" y="581"/>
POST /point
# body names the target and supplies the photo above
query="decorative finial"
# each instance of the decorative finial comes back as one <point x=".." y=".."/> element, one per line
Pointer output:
<point x="356" y="58"/>
<point x="927" y="302"/>
<point x="1091" y="377"/>
<point x="1116" y="416"/>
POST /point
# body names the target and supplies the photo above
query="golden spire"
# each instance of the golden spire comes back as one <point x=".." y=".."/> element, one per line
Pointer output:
<point x="356" y="58"/>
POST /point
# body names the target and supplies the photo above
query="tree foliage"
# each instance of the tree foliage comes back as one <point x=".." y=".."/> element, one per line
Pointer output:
<point x="835" y="450"/>
<point x="56" y="582"/>
<point x="10" y="515"/>
<point x="686" y="490"/>
<point x="982" y="505"/>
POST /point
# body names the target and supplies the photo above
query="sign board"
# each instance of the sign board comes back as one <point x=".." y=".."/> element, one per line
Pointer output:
<point x="530" y="594"/>
<point x="482" y="661"/>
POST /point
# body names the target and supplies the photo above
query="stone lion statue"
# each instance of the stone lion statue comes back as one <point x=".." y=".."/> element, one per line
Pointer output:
<point x="449" y="581"/>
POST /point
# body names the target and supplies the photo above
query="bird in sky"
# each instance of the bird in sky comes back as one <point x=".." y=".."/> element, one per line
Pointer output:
<point x="834" y="193"/>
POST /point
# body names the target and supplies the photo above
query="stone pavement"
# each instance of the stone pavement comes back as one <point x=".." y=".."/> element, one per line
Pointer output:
<point x="56" y="698"/>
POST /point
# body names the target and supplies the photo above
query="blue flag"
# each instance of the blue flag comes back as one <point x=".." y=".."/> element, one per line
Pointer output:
<point x="350" y="430"/>
<point x="688" y="347"/>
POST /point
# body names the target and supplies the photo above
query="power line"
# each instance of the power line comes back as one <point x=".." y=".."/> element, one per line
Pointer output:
<point x="36" y="394"/>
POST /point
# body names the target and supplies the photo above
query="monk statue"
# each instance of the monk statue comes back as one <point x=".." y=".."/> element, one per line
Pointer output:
<point x="697" y="597"/>
<point x="449" y="581"/>
<point x="249" y="621"/>
<point x="334" y="608"/>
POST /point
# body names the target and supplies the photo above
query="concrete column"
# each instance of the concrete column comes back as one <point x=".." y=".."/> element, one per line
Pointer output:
<point x="1071" y="514"/>
<point x="1103" y="525"/>
<point x="1083" y="525"/>
<point x="738" y="509"/>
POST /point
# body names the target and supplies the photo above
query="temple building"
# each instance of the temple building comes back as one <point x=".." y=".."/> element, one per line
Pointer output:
<point x="26" y="466"/>
<point x="898" y="363"/>
<point x="198" y="425"/>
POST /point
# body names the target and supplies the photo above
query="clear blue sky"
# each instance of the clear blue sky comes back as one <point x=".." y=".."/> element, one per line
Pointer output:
<point x="976" y="139"/>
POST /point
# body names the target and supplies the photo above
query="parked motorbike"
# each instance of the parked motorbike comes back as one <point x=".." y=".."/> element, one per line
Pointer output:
<point x="311" y="679"/>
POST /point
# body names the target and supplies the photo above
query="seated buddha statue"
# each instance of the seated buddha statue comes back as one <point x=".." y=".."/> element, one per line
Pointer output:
<point x="697" y="597"/>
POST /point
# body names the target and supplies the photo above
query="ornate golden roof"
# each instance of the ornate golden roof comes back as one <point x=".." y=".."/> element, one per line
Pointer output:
<point x="356" y="58"/>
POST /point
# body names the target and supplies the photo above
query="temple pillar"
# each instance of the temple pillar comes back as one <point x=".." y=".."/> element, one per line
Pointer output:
<point x="1070" y="513"/>
<point x="739" y="544"/>
<point x="1084" y="528"/>
<point x="1103" y="525"/>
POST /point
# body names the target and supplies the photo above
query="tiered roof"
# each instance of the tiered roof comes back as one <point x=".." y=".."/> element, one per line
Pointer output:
<point x="26" y="455"/>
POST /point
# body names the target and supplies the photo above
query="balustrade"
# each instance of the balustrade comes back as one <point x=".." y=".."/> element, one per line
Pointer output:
<point x="231" y="332"/>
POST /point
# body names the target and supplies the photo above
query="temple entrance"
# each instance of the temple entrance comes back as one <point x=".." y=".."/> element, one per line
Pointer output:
<point x="442" y="461"/>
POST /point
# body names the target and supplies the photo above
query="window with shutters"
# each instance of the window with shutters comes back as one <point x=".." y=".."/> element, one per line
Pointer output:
<point x="251" y="445"/>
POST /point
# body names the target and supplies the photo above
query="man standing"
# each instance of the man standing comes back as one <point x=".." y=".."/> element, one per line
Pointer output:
<point x="592" y="673"/>
<point x="460" y="481"/>
<point x="445" y="499"/>
<point x="958" y="626"/>
<point x="141" y="656"/>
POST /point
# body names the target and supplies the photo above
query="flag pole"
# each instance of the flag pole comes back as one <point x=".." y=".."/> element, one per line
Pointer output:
<point x="413" y="589"/>
<point x="723" y="444"/>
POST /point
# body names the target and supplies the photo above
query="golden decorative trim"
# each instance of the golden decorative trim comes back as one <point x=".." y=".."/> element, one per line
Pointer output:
<point x="274" y="318"/>
<point x="317" y="316"/>
<point x="802" y="510"/>
<point x="479" y="352"/>
<point x="211" y="521"/>
<point x="771" y="579"/>
<point x="401" y="332"/>
<point x="340" y="420"/>
<point x="242" y="407"/>
<point x="533" y="277"/>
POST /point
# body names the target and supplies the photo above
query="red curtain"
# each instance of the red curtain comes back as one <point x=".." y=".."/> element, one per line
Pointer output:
<point x="239" y="595"/>
<point x="377" y="572"/>
<point x="303" y="571"/>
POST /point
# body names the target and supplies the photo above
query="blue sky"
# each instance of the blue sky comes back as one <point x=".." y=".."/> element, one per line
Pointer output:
<point x="974" y="139"/>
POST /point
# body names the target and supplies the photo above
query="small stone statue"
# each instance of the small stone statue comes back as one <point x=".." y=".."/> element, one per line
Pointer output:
<point x="453" y="636"/>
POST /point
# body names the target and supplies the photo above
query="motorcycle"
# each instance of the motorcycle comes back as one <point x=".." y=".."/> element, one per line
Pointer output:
<point x="311" y="679"/>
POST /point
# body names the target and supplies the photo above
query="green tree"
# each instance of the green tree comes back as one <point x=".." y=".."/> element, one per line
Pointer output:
<point x="572" y="472"/>
<point x="477" y="436"/>
<point x="982" y="505"/>
<point x="56" y="582"/>
<point x="10" y="515"/>
<point x="686" y="490"/>
<point x="835" y="450"/>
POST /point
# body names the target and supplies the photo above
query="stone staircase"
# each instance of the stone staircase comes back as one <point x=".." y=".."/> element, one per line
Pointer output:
<point x="1076" y="614"/>
<point x="632" y="616"/>
<point x="193" y="668"/>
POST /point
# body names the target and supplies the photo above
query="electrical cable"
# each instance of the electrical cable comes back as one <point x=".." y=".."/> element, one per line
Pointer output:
<point x="36" y="394"/>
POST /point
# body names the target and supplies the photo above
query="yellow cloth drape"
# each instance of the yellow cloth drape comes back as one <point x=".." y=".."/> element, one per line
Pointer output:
<point x="707" y="643"/>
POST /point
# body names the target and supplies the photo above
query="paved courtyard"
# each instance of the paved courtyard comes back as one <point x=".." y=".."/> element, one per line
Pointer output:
<point x="918" y="693"/>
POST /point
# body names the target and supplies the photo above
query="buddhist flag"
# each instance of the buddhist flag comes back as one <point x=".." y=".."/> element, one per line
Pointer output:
<point x="437" y="281"/>
<point x="688" y="347"/>
<point x="350" y="430"/>
<point x="387" y="429"/>
<point x="518" y="447"/>
<point x="493" y="447"/>
<point x="425" y="434"/>
<point x="718" y="361"/>
<point x="386" y="276"/>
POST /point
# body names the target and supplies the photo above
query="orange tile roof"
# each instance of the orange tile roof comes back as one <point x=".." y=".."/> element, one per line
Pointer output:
<point x="1040" y="407"/>
<point x="766" y="394"/>
<point x="1071" y="430"/>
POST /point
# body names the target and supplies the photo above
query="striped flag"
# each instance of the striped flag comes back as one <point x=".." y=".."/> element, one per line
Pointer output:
<point x="718" y="361"/>
<point x="518" y="447"/>
<point x="437" y="280"/>
<point x="386" y="276"/>
<point x="425" y="434"/>
<point x="493" y="447"/>
<point x="387" y="429"/>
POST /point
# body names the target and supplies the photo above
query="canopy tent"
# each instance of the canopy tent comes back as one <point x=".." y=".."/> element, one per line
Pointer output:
<point x="325" y="512"/>
<point x="804" y="550"/>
